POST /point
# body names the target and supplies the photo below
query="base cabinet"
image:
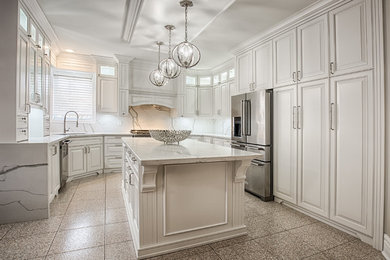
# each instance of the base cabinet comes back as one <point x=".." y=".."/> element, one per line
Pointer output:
<point x="85" y="155"/>
<point x="54" y="171"/>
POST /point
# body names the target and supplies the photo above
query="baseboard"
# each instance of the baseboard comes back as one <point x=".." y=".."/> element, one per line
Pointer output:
<point x="386" y="247"/>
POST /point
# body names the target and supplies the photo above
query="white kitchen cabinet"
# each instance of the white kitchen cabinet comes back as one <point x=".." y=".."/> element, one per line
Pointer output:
<point x="226" y="99"/>
<point x="351" y="37"/>
<point x="112" y="153"/>
<point x="107" y="95"/>
<point x="32" y="68"/>
<point x="313" y="55"/>
<point x="285" y="143"/>
<point x="285" y="61"/>
<point x="262" y="61"/>
<point x="244" y="71"/>
<point x="77" y="161"/>
<point x="352" y="151"/>
<point x="190" y="101"/>
<point x="123" y="102"/>
<point x="217" y="100"/>
<point x="85" y="156"/>
<point x="54" y="171"/>
<point x="123" y="75"/>
<point x="205" y="101"/>
<point x="22" y="85"/>
<point x="313" y="146"/>
<point x="94" y="157"/>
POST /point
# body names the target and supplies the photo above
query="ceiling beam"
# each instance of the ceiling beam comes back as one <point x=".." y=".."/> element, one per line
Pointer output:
<point x="132" y="11"/>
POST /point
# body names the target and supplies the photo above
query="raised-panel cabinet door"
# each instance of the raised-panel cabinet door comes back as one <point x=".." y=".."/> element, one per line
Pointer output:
<point x="313" y="57"/>
<point x="285" y="143"/>
<point x="123" y="102"/>
<point x="225" y="99"/>
<point x="262" y="56"/>
<point x="350" y="37"/>
<point x="285" y="59"/>
<point x="244" y="72"/>
<point x="77" y="163"/>
<point x="54" y="170"/>
<point x="205" y="101"/>
<point x="352" y="151"/>
<point x="313" y="146"/>
<point x="22" y="75"/>
<point x="94" y="157"/>
<point x="190" y="101"/>
<point x="217" y="96"/>
<point x="108" y="95"/>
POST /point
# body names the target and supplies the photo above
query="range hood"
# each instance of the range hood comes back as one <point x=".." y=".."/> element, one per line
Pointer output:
<point x="152" y="100"/>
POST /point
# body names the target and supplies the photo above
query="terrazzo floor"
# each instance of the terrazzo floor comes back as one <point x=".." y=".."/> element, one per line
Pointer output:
<point x="88" y="221"/>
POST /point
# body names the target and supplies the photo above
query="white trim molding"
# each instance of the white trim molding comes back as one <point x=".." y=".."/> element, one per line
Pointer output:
<point x="132" y="12"/>
<point x="386" y="247"/>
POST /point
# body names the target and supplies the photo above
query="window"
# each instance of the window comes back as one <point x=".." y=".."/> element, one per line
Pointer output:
<point x="224" y="76"/>
<point x="74" y="90"/>
<point x="190" y="80"/>
<point x="216" y="79"/>
<point x="205" y="81"/>
<point x="107" y="71"/>
<point x="231" y="73"/>
<point x="23" y="19"/>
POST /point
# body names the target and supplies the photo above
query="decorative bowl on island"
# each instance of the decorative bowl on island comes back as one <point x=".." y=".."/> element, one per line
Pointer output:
<point x="170" y="136"/>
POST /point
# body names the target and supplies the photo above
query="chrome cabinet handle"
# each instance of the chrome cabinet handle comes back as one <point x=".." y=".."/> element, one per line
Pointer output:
<point x="293" y="76"/>
<point x="331" y="116"/>
<point x="331" y="67"/>
<point x="85" y="149"/>
<point x="89" y="149"/>
<point x="294" y="113"/>
<point x="299" y="75"/>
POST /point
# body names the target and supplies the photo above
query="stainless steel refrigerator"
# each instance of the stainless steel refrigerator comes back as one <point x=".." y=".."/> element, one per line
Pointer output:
<point x="251" y="119"/>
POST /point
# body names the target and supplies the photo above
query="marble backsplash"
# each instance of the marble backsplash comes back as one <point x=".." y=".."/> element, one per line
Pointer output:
<point x="149" y="118"/>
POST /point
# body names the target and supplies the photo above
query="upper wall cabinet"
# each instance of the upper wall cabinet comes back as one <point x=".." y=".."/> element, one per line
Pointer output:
<point x="254" y="69"/>
<point x="313" y="56"/>
<point x="285" y="62"/>
<point x="351" y="37"/>
<point x="107" y="95"/>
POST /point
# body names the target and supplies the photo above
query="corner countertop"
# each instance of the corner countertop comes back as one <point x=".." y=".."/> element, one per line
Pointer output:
<point x="151" y="152"/>
<point x="59" y="137"/>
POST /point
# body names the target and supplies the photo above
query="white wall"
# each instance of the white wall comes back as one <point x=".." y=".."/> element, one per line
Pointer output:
<point x="386" y="16"/>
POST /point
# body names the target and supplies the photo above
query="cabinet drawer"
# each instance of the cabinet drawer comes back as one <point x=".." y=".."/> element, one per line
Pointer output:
<point x="113" y="162"/>
<point x="79" y="141"/>
<point x="21" y="134"/>
<point x="113" y="149"/>
<point x="113" y="139"/>
<point x="132" y="162"/>
<point x="21" y="122"/>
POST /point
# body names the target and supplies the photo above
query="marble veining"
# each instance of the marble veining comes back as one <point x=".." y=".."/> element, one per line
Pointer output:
<point x="6" y="169"/>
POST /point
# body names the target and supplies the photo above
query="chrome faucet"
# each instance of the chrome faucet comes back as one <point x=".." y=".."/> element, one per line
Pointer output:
<point x="77" y="122"/>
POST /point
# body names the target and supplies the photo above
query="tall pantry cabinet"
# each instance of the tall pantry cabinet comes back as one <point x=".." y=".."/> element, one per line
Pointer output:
<point x="326" y="116"/>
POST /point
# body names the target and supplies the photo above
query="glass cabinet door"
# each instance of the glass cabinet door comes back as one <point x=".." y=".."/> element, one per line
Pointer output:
<point x="47" y="86"/>
<point x="31" y="72"/>
<point x="23" y="20"/>
<point x="40" y="80"/>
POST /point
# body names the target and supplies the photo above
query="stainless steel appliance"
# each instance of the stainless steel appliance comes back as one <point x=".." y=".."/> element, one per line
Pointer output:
<point x="251" y="131"/>
<point x="64" y="161"/>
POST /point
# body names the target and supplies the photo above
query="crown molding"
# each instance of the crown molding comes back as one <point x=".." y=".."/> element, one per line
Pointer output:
<point x="37" y="14"/>
<point x="132" y="12"/>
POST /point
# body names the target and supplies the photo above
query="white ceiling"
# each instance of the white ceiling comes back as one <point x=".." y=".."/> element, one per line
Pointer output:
<point x="216" y="27"/>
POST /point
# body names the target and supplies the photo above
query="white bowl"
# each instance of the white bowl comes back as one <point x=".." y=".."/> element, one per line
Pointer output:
<point x="169" y="136"/>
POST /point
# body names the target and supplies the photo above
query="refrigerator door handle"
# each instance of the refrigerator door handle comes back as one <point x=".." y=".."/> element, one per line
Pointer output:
<point x="248" y="118"/>
<point x="243" y="116"/>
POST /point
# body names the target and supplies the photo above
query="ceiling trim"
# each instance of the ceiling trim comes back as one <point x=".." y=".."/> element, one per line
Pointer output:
<point x="132" y="12"/>
<point x="40" y="18"/>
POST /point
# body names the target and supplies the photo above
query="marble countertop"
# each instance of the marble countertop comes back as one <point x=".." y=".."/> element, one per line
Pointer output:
<point x="227" y="137"/>
<point x="59" y="137"/>
<point x="151" y="152"/>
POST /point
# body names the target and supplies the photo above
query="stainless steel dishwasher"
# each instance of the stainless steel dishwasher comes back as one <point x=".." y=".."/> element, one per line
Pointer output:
<point x="64" y="162"/>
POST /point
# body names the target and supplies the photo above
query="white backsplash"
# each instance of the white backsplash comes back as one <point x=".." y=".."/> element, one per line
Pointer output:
<point x="148" y="118"/>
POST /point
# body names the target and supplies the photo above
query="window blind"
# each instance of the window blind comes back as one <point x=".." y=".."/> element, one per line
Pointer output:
<point x="74" y="90"/>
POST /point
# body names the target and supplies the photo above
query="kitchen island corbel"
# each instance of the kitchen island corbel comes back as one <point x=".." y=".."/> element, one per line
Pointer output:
<point x="180" y="196"/>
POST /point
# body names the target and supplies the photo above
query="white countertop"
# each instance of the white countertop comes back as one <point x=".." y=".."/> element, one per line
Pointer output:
<point x="151" y="152"/>
<point x="58" y="137"/>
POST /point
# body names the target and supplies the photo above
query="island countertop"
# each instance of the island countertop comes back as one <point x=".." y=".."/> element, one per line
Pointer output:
<point x="151" y="152"/>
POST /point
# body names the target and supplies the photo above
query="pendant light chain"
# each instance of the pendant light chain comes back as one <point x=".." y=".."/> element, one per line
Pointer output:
<point x="158" y="62"/>
<point x="186" y="19"/>
<point x="169" y="51"/>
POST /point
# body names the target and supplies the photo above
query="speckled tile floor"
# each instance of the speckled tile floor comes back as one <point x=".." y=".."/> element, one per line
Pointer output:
<point x="88" y="221"/>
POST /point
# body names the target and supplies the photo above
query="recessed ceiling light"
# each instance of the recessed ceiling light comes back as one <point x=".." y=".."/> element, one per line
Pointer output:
<point x="69" y="50"/>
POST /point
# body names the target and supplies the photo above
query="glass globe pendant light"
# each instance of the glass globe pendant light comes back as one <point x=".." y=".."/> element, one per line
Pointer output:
<point x="168" y="66"/>
<point x="156" y="76"/>
<point x="185" y="53"/>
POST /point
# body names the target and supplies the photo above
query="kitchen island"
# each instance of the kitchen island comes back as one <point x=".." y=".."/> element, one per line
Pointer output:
<point x="180" y="196"/>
